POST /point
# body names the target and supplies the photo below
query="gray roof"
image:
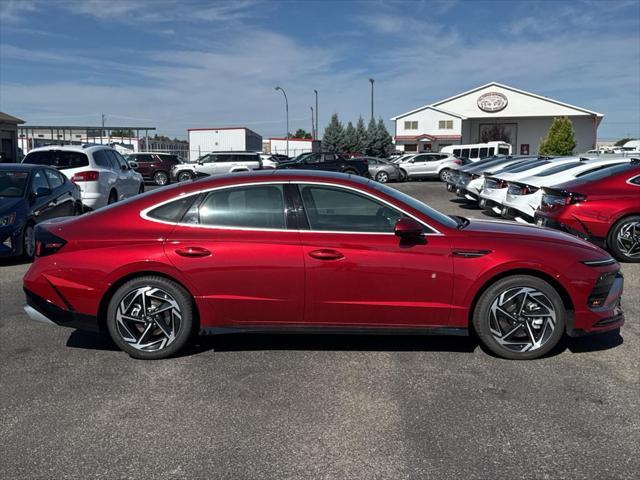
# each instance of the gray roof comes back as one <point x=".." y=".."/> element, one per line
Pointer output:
<point x="5" y="117"/>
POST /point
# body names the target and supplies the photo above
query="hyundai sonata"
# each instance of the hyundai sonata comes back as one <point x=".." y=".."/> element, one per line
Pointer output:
<point x="311" y="251"/>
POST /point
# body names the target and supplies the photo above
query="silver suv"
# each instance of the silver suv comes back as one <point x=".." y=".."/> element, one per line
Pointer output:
<point x="217" y="163"/>
<point x="426" y="165"/>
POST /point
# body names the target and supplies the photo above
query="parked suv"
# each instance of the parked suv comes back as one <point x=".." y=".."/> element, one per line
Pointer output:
<point x="428" y="165"/>
<point x="217" y="163"/>
<point x="328" y="162"/>
<point x="101" y="173"/>
<point x="155" y="166"/>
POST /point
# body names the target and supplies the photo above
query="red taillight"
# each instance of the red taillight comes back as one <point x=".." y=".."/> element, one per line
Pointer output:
<point x="88" y="176"/>
<point x="501" y="184"/>
<point x="366" y="162"/>
<point x="457" y="162"/>
<point x="47" y="243"/>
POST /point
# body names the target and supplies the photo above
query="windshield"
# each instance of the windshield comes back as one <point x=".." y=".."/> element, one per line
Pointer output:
<point x="418" y="205"/>
<point x="12" y="183"/>
<point x="60" y="159"/>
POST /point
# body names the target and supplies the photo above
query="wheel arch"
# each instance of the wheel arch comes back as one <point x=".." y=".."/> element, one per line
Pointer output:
<point x="564" y="294"/>
<point x="617" y="218"/>
<point x="106" y="298"/>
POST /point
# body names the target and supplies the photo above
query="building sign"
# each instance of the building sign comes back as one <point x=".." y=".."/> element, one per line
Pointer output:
<point x="492" y="102"/>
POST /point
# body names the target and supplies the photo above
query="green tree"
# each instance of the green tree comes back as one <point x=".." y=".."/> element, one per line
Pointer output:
<point x="372" y="133"/>
<point x="622" y="141"/>
<point x="350" y="139"/>
<point x="332" y="140"/>
<point x="560" y="139"/>
<point x="361" y="136"/>
<point x="384" y="142"/>
<point x="301" y="133"/>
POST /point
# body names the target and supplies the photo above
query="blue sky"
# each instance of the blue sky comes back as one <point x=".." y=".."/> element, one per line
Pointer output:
<point x="178" y="64"/>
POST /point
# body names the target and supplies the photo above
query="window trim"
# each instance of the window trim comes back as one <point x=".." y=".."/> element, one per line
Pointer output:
<point x="432" y="230"/>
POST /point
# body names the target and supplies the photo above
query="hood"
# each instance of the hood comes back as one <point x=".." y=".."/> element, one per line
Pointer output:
<point x="498" y="228"/>
<point x="10" y="204"/>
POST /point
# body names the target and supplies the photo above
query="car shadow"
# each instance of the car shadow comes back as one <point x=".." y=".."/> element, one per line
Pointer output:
<point x="14" y="261"/>
<point x="238" y="342"/>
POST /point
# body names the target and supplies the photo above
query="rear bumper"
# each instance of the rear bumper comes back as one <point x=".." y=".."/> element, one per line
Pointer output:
<point x="576" y="230"/>
<point x="38" y="309"/>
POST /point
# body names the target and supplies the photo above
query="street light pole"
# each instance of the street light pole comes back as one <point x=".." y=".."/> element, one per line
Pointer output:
<point x="315" y="137"/>
<point x="286" y="107"/>
<point x="371" y="80"/>
<point x="313" y="128"/>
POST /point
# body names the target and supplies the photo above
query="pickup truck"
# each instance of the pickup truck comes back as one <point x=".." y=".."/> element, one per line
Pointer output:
<point x="329" y="162"/>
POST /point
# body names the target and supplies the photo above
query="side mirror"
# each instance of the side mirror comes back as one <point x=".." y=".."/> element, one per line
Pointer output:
<point x="408" y="228"/>
<point x="43" y="192"/>
<point x="133" y="164"/>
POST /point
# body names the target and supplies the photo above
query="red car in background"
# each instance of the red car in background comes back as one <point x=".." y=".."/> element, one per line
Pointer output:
<point x="307" y="251"/>
<point x="603" y="207"/>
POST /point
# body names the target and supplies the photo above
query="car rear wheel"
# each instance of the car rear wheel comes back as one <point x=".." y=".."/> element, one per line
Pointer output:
<point x="184" y="176"/>
<point x="161" y="178"/>
<point x="350" y="171"/>
<point x="520" y="317"/>
<point x="444" y="174"/>
<point x="150" y="317"/>
<point x="624" y="239"/>
<point x="28" y="241"/>
<point x="382" y="177"/>
<point x="113" y="197"/>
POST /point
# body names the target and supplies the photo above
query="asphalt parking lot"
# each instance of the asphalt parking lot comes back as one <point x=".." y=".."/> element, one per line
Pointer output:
<point x="303" y="406"/>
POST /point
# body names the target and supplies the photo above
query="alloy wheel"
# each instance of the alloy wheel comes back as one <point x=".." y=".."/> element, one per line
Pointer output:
<point x="29" y="245"/>
<point x="161" y="178"/>
<point x="184" y="176"/>
<point x="628" y="240"/>
<point x="382" y="177"/>
<point x="148" y="319"/>
<point x="522" y="319"/>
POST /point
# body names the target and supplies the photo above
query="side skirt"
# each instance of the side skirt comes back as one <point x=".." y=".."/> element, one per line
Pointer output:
<point x="461" y="332"/>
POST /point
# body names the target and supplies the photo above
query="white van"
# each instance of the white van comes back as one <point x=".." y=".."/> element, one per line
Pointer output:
<point x="477" y="151"/>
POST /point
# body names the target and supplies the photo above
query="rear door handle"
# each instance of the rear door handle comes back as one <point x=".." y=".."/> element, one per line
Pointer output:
<point x="326" y="254"/>
<point x="193" y="252"/>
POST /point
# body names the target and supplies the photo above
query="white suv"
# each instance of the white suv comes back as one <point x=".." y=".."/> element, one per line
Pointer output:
<point x="217" y="163"/>
<point x="428" y="165"/>
<point x="101" y="173"/>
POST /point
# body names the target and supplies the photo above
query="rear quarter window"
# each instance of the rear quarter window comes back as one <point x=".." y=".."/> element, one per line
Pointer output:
<point x="172" y="211"/>
<point x="58" y="158"/>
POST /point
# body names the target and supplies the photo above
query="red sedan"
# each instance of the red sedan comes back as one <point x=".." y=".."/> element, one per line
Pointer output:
<point x="603" y="207"/>
<point x="292" y="251"/>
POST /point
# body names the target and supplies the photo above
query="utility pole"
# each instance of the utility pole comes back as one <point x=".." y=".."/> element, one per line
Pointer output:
<point x="371" y="80"/>
<point x="286" y="106"/>
<point x="315" y="137"/>
<point x="313" y="128"/>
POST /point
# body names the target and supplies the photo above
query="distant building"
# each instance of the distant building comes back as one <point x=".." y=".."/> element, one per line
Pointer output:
<point x="9" y="138"/>
<point x="492" y="112"/>
<point x="222" y="139"/>
<point x="296" y="146"/>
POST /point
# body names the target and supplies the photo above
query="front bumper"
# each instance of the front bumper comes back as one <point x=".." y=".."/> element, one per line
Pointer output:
<point x="43" y="311"/>
<point x="602" y="319"/>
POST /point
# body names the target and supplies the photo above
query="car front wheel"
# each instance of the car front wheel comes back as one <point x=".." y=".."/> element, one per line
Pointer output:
<point x="624" y="239"/>
<point x="520" y="317"/>
<point x="150" y="317"/>
<point x="444" y="175"/>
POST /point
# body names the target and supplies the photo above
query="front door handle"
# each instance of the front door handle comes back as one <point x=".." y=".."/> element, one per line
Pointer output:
<point x="326" y="254"/>
<point x="193" y="252"/>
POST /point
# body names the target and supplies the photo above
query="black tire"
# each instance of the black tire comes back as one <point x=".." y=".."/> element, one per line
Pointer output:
<point x="350" y="171"/>
<point x="28" y="241"/>
<point x="404" y="176"/>
<point x="546" y="299"/>
<point x="161" y="178"/>
<point x="141" y="189"/>
<point x="382" y="177"/>
<point x="183" y="331"/>
<point x="444" y="174"/>
<point x="185" y="176"/>
<point x="622" y="235"/>
<point x="113" y="197"/>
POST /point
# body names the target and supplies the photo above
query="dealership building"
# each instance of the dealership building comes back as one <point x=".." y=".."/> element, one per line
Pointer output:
<point x="492" y="112"/>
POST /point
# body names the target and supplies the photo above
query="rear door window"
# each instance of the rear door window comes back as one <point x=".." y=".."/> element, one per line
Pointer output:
<point x="55" y="179"/>
<point x="145" y="157"/>
<point x="58" y="158"/>
<point x="102" y="159"/>
<point x="39" y="181"/>
<point x="247" y="207"/>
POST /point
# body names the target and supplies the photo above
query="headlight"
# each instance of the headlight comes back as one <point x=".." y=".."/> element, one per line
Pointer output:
<point x="7" y="219"/>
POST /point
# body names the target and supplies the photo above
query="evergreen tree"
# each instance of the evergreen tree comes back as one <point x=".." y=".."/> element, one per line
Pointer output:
<point x="372" y="134"/>
<point x="333" y="138"/>
<point x="350" y="139"/>
<point x="560" y="139"/>
<point x="361" y="136"/>
<point x="301" y="133"/>
<point x="384" y="142"/>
